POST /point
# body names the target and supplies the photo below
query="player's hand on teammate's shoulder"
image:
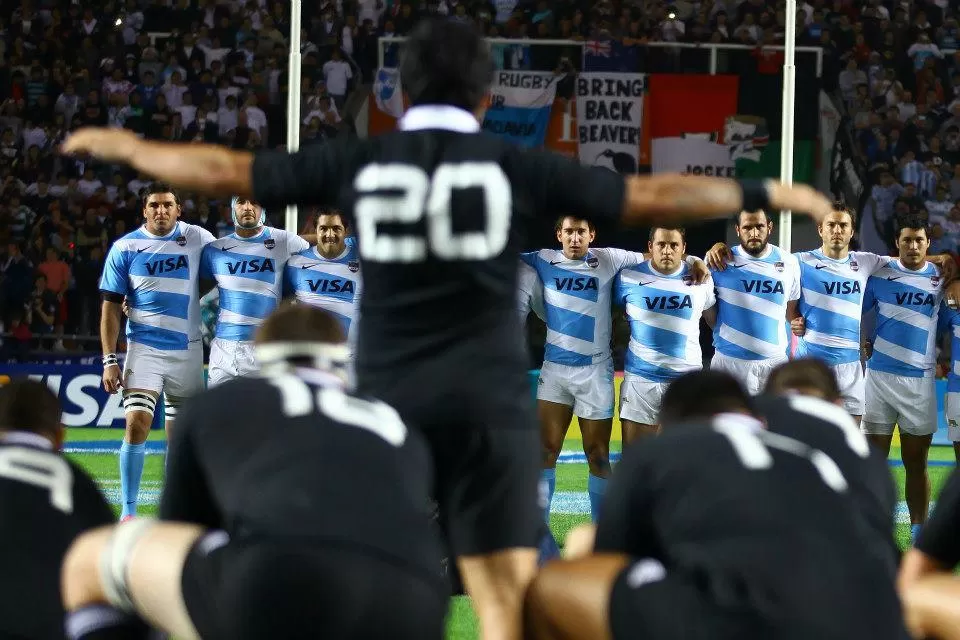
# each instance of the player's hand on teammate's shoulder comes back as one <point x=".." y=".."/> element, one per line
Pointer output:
<point x="699" y="272"/>
<point x="946" y="264"/>
<point x="951" y="295"/>
<point x="108" y="145"/>
<point x="718" y="256"/>
<point x="798" y="326"/>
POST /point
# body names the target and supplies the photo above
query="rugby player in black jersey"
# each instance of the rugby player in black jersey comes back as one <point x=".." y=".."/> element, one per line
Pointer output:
<point x="261" y="537"/>
<point x="440" y="210"/>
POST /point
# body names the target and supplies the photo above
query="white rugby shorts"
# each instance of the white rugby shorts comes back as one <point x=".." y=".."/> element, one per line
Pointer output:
<point x="910" y="403"/>
<point x="752" y="374"/>
<point x="640" y="399"/>
<point x="230" y="359"/>
<point x="588" y="389"/>
<point x="852" y="389"/>
<point x="178" y="373"/>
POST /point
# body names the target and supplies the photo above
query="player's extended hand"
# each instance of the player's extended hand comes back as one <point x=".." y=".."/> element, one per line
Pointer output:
<point x="943" y="368"/>
<point x="866" y="350"/>
<point x="800" y="197"/>
<point x="952" y="295"/>
<point x="111" y="378"/>
<point x="798" y="326"/>
<point x="125" y="307"/>
<point x="108" y="145"/>
<point x="718" y="256"/>
<point x="699" y="271"/>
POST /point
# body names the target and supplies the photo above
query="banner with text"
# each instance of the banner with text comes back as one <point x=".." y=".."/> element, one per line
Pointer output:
<point x="694" y="127"/>
<point x="520" y="104"/>
<point x="81" y="394"/>
<point x="610" y="119"/>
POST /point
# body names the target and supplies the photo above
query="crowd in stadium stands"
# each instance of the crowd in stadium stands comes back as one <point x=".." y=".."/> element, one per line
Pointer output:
<point x="219" y="74"/>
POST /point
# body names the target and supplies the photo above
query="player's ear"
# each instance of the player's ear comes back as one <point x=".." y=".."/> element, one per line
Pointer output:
<point x="650" y="246"/>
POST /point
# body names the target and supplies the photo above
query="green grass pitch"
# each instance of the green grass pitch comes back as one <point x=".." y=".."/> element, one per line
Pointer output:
<point x="461" y="622"/>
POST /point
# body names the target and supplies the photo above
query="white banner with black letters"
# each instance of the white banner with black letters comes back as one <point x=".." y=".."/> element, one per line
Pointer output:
<point x="609" y="119"/>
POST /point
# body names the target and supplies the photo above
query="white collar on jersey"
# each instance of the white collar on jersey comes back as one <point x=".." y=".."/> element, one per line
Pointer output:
<point x="316" y="252"/>
<point x="26" y="438"/>
<point x="738" y="420"/>
<point x="922" y="271"/>
<point x="439" y="116"/>
<point x="176" y="227"/>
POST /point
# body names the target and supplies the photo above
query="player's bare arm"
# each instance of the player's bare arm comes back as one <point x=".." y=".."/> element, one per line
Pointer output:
<point x="204" y="168"/>
<point x="947" y="265"/>
<point x="669" y="197"/>
<point x="797" y="323"/>
<point x="710" y="316"/>
<point x="109" y="333"/>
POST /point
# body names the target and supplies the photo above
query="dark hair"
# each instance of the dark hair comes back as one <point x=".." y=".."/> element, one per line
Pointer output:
<point x="332" y="212"/>
<point x="804" y="374"/>
<point x="701" y="395"/>
<point x="766" y="216"/>
<point x="683" y="232"/>
<point x="27" y="405"/>
<point x="154" y="189"/>
<point x="292" y="322"/>
<point x="913" y="221"/>
<point x="839" y="207"/>
<point x="446" y="62"/>
<point x="559" y="224"/>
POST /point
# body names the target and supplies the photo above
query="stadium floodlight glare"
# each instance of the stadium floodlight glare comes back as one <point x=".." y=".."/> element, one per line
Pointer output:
<point x="293" y="100"/>
<point x="788" y="117"/>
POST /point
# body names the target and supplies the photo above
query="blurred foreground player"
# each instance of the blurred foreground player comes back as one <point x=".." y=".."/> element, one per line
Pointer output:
<point x="45" y="502"/>
<point x="277" y="545"/>
<point x="720" y="529"/>
<point x="440" y="209"/>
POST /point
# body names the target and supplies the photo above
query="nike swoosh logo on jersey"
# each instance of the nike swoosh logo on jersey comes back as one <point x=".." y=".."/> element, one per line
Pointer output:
<point x="233" y="246"/>
<point x="820" y="266"/>
<point x="141" y="250"/>
<point x="307" y="266"/>
<point x="643" y="284"/>
<point x="894" y="277"/>
<point x="738" y="266"/>
<point x="557" y="262"/>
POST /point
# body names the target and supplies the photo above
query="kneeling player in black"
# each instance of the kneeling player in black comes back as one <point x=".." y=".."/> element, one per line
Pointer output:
<point x="45" y="502"/>
<point x="279" y="545"/>
<point x="721" y="529"/>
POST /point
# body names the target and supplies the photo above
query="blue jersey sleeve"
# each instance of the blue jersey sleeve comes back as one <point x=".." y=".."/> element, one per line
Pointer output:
<point x="530" y="258"/>
<point x="947" y="318"/>
<point x="619" y="291"/>
<point x="206" y="268"/>
<point x="116" y="271"/>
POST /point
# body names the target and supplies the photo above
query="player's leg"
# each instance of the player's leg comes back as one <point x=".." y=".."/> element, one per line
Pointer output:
<point x="183" y="378"/>
<point x="852" y="388"/>
<point x="142" y="382"/>
<point x="133" y="571"/>
<point x="639" y="407"/>
<point x="918" y="423"/>
<point x="879" y="415"/>
<point x="571" y="599"/>
<point x="593" y="390"/>
<point x="554" y="412"/>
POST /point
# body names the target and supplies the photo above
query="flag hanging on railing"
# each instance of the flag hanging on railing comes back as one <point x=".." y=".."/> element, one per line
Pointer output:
<point x="610" y="119"/>
<point x="388" y="92"/>
<point x="609" y="55"/>
<point x="520" y="104"/>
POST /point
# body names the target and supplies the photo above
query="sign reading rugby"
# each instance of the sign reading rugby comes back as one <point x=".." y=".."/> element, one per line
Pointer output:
<point x="520" y="103"/>
<point x="609" y="119"/>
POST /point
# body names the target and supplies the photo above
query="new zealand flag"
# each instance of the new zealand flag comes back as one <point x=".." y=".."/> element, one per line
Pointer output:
<point x="609" y="55"/>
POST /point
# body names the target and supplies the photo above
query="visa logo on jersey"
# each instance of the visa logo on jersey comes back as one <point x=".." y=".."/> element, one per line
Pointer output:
<point x="254" y="265"/>
<point x="916" y="299"/>
<point x="576" y="284"/>
<point x="762" y="286"/>
<point x="167" y="265"/>
<point x="841" y="287"/>
<point x="667" y="303"/>
<point x="336" y="285"/>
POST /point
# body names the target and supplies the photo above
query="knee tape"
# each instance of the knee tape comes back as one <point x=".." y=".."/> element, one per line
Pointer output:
<point x="115" y="560"/>
<point x="170" y="406"/>
<point x="139" y="401"/>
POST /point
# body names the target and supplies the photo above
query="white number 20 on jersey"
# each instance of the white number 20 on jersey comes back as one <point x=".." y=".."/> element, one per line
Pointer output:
<point x="405" y="194"/>
<point x="376" y="417"/>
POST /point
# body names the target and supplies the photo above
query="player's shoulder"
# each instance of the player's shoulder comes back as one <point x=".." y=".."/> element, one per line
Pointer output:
<point x="129" y="241"/>
<point x="218" y="243"/>
<point x="195" y="233"/>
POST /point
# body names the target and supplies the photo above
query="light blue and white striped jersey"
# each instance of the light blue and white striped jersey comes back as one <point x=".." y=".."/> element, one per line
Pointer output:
<point x="752" y="296"/>
<point x="664" y="311"/>
<point x="249" y="276"/>
<point x="577" y="296"/>
<point x="159" y="275"/>
<point x="334" y="285"/>
<point x="529" y="292"/>
<point x="907" y="305"/>
<point x="831" y="303"/>
<point x="949" y="320"/>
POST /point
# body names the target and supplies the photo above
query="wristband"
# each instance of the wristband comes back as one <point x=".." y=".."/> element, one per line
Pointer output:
<point x="110" y="360"/>
<point x="756" y="195"/>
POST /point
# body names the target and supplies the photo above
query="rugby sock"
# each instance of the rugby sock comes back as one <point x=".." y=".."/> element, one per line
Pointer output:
<point x="914" y="532"/>
<point x="596" y="487"/>
<point x="548" y="547"/>
<point x="131" y="468"/>
<point x="548" y="482"/>
<point x="103" y="622"/>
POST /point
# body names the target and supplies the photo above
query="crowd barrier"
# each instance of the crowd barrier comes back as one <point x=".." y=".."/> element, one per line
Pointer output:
<point x="86" y="404"/>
